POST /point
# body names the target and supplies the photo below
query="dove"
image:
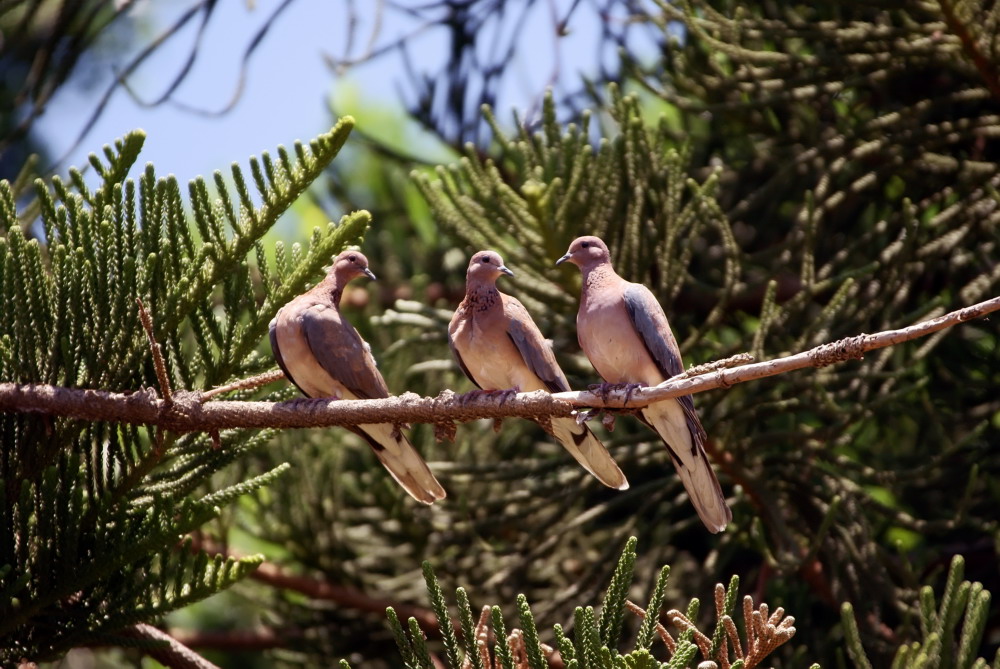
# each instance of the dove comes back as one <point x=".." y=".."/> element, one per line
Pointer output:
<point x="499" y="347"/>
<point x="324" y="356"/>
<point x="623" y="330"/>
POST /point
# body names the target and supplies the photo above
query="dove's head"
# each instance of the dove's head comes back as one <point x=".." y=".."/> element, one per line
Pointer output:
<point x="350" y="265"/>
<point x="586" y="252"/>
<point x="486" y="267"/>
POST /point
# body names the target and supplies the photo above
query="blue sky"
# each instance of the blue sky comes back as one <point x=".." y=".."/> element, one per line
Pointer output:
<point x="289" y="85"/>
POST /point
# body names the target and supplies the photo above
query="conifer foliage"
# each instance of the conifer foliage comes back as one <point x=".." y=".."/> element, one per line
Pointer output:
<point x="950" y="633"/>
<point x="595" y="642"/>
<point x="92" y="514"/>
<point x="783" y="176"/>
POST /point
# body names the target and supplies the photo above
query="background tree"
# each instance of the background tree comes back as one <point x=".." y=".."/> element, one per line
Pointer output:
<point x="832" y="194"/>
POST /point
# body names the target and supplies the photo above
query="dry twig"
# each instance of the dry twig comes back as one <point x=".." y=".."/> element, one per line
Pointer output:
<point x="174" y="654"/>
<point x="245" y="384"/>
<point x="189" y="414"/>
<point x="315" y="588"/>
<point x="154" y="347"/>
<point x="764" y="632"/>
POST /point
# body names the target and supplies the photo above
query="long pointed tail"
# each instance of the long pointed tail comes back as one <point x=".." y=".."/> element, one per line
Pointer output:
<point x="688" y="455"/>
<point x="588" y="450"/>
<point x="403" y="461"/>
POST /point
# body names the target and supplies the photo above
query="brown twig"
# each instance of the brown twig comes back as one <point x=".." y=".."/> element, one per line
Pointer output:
<point x="237" y="640"/>
<point x="668" y="640"/>
<point x="982" y="63"/>
<point x="481" y="640"/>
<point x="346" y="596"/>
<point x="700" y="638"/>
<point x="174" y="654"/>
<point x="731" y="361"/>
<point x="154" y="347"/>
<point x="519" y="652"/>
<point x="189" y="414"/>
<point x="245" y="384"/>
<point x="315" y="588"/>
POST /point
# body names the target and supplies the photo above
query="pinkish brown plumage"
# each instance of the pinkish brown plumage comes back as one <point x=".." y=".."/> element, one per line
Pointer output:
<point x="321" y="353"/>
<point x="623" y="330"/>
<point x="499" y="347"/>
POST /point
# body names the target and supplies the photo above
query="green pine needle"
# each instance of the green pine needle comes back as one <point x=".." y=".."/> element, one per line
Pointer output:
<point x="443" y="616"/>
<point x="613" y="610"/>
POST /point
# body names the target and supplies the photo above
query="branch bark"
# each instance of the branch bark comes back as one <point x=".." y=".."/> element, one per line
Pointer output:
<point x="237" y="640"/>
<point x="173" y="654"/>
<point x="344" y="595"/>
<point x="189" y="412"/>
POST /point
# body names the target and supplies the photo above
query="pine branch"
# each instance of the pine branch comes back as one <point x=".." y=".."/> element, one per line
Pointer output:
<point x="189" y="413"/>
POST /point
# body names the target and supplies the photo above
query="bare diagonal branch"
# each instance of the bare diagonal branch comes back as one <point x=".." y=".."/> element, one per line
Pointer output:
<point x="173" y="653"/>
<point x="189" y="413"/>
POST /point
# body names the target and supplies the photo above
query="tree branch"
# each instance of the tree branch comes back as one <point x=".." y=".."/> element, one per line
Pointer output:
<point x="188" y="413"/>
<point x="971" y="48"/>
<point x="315" y="588"/>
<point x="245" y="384"/>
<point x="237" y="640"/>
<point x="173" y="654"/>
<point x="154" y="347"/>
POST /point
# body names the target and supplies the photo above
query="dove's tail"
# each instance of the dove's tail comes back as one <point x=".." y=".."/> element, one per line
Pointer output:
<point x="670" y="422"/>
<point x="403" y="461"/>
<point x="588" y="450"/>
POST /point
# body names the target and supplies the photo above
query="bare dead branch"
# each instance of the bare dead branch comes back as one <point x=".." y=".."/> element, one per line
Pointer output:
<point x="237" y="640"/>
<point x="245" y="384"/>
<point x="127" y="71"/>
<point x="731" y="361"/>
<point x="154" y="347"/>
<point x="189" y="414"/>
<point x="346" y="596"/>
<point x="317" y="588"/>
<point x="174" y="655"/>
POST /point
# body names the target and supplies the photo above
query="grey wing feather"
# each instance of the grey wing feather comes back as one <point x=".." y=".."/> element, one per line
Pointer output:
<point x="651" y="325"/>
<point x="339" y="349"/>
<point x="273" y="327"/>
<point x="461" y="363"/>
<point x="532" y="346"/>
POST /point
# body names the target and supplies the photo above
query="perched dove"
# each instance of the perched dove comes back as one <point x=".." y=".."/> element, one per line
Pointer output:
<point x="321" y="353"/>
<point x="499" y="347"/>
<point x="624" y="332"/>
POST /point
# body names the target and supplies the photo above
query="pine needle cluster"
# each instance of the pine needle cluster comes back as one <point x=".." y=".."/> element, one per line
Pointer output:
<point x="596" y="637"/>
<point x="950" y="634"/>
